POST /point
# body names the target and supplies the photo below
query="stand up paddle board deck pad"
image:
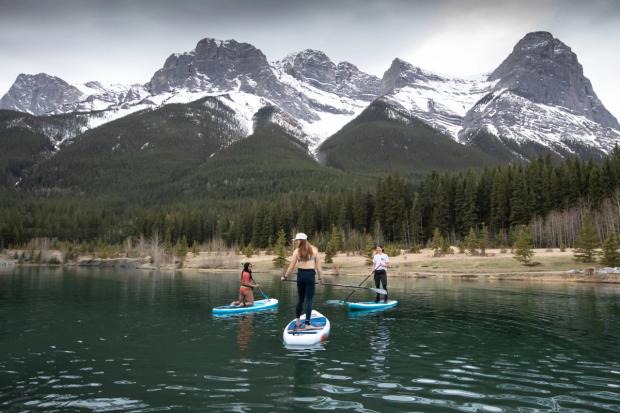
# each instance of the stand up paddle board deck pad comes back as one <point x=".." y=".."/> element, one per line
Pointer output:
<point x="311" y="335"/>
<point x="259" y="305"/>
<point x="372" y="305"/>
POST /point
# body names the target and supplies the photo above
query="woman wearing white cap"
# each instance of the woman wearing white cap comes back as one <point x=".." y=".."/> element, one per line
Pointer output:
<point x="306" y="258"/>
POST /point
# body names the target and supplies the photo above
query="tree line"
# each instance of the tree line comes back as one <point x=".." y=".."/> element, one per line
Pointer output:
<point x="551" y="198"/>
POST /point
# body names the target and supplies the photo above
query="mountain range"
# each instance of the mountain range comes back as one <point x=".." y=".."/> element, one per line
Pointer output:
<point x="201" y="107"/>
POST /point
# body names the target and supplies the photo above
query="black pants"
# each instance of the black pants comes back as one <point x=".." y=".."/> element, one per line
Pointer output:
<point x="381" y="278"/>
<point x="305" y="292"/>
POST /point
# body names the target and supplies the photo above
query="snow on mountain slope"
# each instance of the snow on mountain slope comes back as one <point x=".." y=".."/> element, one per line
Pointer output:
<point x="333" y="110"/>
<point x="537" y="94"/>
<point x="506" y="114"/>
<point x="240" y="76"/>
<point x="97" y="96"/>
<point x="440" y="102"/>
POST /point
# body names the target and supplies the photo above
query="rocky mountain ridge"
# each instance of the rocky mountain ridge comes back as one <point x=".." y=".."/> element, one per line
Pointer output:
<point x="537" y="96"/>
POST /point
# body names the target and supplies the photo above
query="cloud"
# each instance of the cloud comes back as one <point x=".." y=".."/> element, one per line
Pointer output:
<point x="126" y="41"/>
<point x="473" y="40"/>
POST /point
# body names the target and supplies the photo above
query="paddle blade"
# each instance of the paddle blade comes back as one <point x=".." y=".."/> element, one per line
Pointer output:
<point x="335" y="302"/>
<point x="379" y="291"/>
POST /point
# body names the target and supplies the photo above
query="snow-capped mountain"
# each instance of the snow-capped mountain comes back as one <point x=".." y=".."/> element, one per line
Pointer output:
<point x="39" y="94"/>
<point x="42" y="94"/>
<point x="314" y="68"/>
<point x="439" y="101"/>
<point x="317" y="94"/>
<point x="538" y="95"/>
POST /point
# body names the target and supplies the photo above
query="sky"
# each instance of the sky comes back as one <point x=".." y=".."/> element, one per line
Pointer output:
<point x="116" y="41"/>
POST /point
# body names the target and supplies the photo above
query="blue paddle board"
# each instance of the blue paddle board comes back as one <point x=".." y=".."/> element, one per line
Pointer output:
<point x="259" y="305"/>
<point x="371" y="305"/>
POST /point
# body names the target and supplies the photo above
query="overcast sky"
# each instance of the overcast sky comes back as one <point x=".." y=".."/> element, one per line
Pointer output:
<point x="126" y="41"/>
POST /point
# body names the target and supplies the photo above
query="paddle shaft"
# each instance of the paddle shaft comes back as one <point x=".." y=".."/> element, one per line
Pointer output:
<point x="377" y="290"/>
<point x="360" y="284"/>
<point x="264" y="295"/>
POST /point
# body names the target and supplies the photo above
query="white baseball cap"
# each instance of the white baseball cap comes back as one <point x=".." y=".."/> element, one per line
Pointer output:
<point x="300" y="235"/>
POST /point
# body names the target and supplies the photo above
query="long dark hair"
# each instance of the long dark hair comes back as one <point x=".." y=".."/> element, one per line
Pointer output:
<point x="246" y="268"/>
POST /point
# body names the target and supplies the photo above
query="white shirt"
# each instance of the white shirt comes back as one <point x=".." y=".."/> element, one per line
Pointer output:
<point x="380" y="261"/>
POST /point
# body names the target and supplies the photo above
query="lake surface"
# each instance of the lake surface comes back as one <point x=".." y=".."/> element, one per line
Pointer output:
<point x="100" y="340"/>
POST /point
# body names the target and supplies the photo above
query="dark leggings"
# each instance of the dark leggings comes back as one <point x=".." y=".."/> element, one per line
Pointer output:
<point x="381" y="277"/>
<point x="305" y="291"/>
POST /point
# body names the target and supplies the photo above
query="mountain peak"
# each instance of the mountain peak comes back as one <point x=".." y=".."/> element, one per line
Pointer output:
<point x="311" y="54"/>
<point x="39" y="94"/>
<point x="311" y="66"/>
<point x="213" y="64"/>
<point x="544" y="70"/>
<point x="315" y="68"/>
<point x="402" y="73"/>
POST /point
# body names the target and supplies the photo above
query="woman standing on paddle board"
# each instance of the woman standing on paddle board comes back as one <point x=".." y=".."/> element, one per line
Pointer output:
<point x="306" y="258"/>
<point x="246" y="289"/>
<point x="380" y="263"/>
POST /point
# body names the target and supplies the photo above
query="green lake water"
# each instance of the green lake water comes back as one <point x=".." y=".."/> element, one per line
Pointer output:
<point x="98" y="340"/>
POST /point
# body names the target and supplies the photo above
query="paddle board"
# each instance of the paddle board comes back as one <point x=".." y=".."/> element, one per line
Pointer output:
<point x="259" y="305"/>
<point x="318" y="332"/>
<point x="371" y="305"/>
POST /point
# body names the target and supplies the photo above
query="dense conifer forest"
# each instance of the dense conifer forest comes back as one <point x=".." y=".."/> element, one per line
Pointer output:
<point x="552" y="198"/>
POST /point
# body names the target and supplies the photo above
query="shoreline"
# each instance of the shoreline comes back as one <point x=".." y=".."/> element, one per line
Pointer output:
<point x="494" y="267"/>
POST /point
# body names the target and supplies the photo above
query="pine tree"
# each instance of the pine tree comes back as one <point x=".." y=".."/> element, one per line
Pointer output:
<point x="249" y="250"/>
<point x="182" y="248"/>
<point x="280" y="260"/>
<point x="519" y="203"/>
<point x="586" y="242"/>
<point x="336" y="238"/>
<point x="330" y="251"/>
<point x="471" y="241"/>
<point x="437" y="243"/>
<point x="483" y="240"/>
<point x="195" y="248"/>
<point x="522" y="249"/>
<point x="370" y="248"/>
<point x="332" y="245"/>
<point x="445" y="246"/>
<point x="610" y="255"/>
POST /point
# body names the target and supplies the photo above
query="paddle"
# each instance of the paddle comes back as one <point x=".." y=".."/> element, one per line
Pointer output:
<point x="264" y="295"/>
<point x="379" y="291"/>
<point x="360" y="284"/>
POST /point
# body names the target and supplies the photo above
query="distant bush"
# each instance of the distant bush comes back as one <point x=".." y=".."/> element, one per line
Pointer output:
<point x="415" y="249"/>
<point x="392" y="250"/>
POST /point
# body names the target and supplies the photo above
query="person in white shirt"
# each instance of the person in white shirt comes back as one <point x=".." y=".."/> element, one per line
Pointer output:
<point x="380" y="263"/>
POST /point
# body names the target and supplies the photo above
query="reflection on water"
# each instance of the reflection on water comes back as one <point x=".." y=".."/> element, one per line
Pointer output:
<point x="245" y="332"/>
<point x="379" y="347"/>
<point x="128" y="341"/>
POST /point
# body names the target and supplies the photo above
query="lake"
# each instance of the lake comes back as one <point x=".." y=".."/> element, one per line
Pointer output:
<point x="101" y="340"/>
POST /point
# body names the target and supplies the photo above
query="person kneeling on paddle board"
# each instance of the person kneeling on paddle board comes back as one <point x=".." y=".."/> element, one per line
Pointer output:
<point x="246" y="290"/>
<point x="380" y="263"/>
<point x="306" y="258"/>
